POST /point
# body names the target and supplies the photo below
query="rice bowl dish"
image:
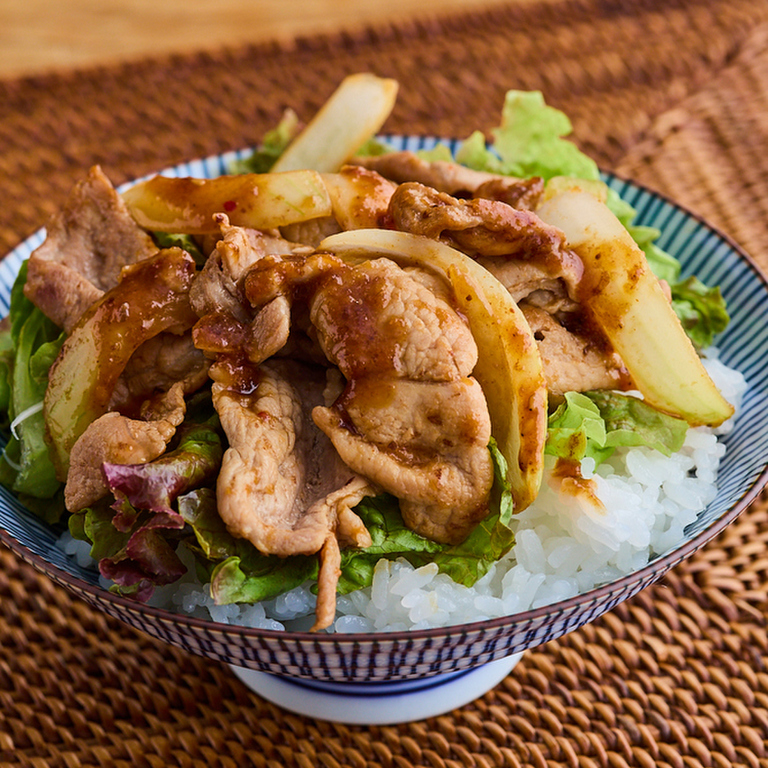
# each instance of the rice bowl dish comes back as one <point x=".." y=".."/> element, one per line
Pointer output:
<point x="569" y="563"/>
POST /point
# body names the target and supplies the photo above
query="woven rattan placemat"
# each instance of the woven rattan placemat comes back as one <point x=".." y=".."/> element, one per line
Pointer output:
<point x="672" y="93"/>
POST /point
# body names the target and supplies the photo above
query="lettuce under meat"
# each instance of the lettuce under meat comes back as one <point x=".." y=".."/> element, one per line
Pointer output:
<point x="155" y="485"/>
<point x="29" y="342"/>
<point x="136" y="557"/>
<point x="236" y="570"/>
<point x="239" y="573"/>
<point x="593" y="424"/>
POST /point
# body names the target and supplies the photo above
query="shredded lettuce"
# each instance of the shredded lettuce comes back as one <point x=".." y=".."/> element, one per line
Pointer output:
<point x="593" y="424"/>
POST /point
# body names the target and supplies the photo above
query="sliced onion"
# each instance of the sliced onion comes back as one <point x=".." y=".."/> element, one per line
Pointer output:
<point x="627" y="301"/>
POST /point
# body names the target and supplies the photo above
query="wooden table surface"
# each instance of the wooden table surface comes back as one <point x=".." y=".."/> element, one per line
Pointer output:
<point x="37" y="36"/>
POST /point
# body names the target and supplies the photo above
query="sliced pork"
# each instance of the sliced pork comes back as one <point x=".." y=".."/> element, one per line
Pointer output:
<point x="574" y="360"/>
<point x="217" y="286"/>
<point x="410" y="417"/>
<point x="531" y="260"/>
<point x="457" y="180"/>
<point x="88" y="243"/>
<point x="282" y="485"/>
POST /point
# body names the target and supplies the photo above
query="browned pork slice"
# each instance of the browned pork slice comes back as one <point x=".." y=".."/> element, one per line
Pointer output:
<point x="531" y="259"/>
<point x="411" y="418"/>
<point x="156" y="366"/>
<point x="282" y="485"/>
<point x="528" y="257"/>
<point x="401" y="347"/>
<point x="455" y="179"/>
<point x="574" y="360"/>
<point x="377" y="319"/>
<point x="217" y="287"/>
<point x="257" y="339"/>
<point x="87" y="243"/>
<point x="424" y="441"/>
<point x="117" y="439"/>
<point x="478" y="227"/>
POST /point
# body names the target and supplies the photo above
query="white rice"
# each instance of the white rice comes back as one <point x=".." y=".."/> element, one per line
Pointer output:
<point x="562" y="547"/>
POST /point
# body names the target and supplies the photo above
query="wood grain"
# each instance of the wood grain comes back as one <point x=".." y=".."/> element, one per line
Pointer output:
<point x="38" y="36"/>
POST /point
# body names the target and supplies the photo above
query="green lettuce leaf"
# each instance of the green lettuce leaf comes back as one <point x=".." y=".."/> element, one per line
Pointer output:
<point x="439" y="153"/>
<point x="702" y="310"/>
<point x="30" y="343"/>
<point x="576" y="430"/>
<point x="6" y="369"/>
<point x="630" y="421"/>
<point x="593" y="424"/>
<point x="490" y="540"/>
<point x="390" y="538"/>
<point x="239" y="573"/>
<point x="243" y="579"/>
<point x="272" y="146"/>
<point x="530" y="141"/>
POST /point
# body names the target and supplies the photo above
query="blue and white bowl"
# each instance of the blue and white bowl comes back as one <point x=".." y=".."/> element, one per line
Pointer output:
<point x="392" y="677"/>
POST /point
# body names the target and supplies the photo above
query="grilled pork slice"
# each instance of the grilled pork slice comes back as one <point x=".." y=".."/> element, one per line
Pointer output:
<point x="282" y="485"/>
<point x="455" y="179"/>
<point x="88" y="242"/>
<point x="542" y="274"/>
<point x="411" y="418"/>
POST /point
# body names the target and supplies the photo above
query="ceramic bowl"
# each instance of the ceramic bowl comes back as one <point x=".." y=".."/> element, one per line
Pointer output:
<point x="399" y="676"/>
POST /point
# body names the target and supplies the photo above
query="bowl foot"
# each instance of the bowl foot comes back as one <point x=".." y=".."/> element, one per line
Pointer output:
<point x="378" y="703"/>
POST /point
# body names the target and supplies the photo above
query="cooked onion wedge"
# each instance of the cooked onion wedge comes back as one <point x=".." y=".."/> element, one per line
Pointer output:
<point x="359" y="197"/>
<point x="509" y="366"/>
<point x="257" y="200"/>
<point x="354" y="113"/>
<point x="627" y="301"/>
<point x="151" y="297"/>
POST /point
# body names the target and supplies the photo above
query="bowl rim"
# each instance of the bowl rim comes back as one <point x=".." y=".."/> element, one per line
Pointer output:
<point x="648" y="574"/>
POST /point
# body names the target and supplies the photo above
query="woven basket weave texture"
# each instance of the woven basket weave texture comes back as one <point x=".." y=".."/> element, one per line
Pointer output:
<point x="673" y="94"/>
